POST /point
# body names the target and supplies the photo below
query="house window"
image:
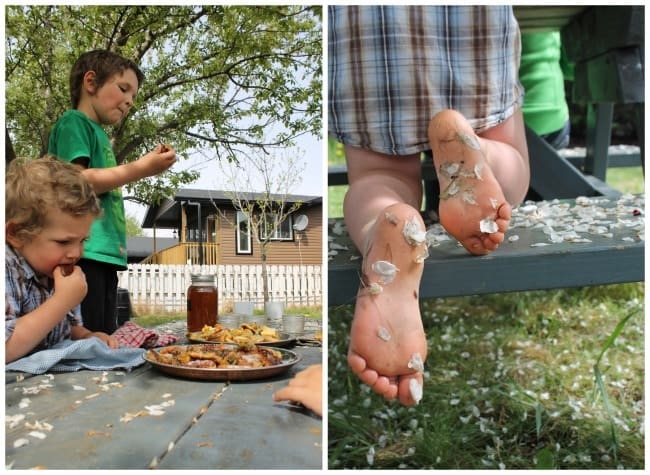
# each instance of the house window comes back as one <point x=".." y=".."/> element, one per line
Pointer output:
<point x="270" y="229"/>
<point x="243" y="235"/>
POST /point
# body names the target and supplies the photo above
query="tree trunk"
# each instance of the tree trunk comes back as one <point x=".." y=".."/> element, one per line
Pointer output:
<point x="10" y="153"/>
<point x="265" y="276"/>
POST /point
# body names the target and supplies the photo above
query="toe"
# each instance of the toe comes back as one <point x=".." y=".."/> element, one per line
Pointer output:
<point x="476" y="246"/>
<point x="369" y="377"/>
<point x="386" y="388"/>
<point x="489" y="244"/>
<point x="380" y="384"/>
<point x="504" y="211"/>
<point x="492" y="241"/>
<point x="404" y="393"/>
<point x="357" y="363"/>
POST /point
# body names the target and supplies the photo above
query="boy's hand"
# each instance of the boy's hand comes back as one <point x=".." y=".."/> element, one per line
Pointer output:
<point x="305" y="388"/>
<point x="109" y="340"/>
<point x="70" y="284"/>
<point x="158" y="160"/>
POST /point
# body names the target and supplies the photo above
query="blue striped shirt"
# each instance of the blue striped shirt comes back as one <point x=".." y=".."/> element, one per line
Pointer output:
<point x="25" y="292"/>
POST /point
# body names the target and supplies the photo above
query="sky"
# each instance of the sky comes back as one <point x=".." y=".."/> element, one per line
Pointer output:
<point x="312" y="183"/>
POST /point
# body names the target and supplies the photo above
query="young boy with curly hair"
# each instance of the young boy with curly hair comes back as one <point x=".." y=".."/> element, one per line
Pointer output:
<point x="103" y="88"/>
<point x="49" y="208"/>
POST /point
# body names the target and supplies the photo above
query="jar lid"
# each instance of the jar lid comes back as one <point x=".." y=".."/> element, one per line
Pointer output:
<point x="203" y="278"/>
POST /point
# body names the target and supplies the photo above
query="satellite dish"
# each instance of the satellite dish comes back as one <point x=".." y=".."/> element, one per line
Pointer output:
<point x="301" y="223"/>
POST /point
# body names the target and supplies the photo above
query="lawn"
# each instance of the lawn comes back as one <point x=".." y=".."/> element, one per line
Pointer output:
<point x="545" y="379"/>
<point x="509" y="383"/>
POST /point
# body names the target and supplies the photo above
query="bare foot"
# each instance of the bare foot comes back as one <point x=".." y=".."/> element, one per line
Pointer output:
<point x="472" y="206"/>
<point x="387" y="341"/>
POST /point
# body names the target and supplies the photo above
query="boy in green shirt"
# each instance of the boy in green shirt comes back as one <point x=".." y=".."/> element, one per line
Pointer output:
<point x="103" y="87"/>
<point x="542" y="73"/>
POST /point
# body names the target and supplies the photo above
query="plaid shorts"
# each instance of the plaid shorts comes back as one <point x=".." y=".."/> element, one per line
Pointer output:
<point x="391" y="68"/>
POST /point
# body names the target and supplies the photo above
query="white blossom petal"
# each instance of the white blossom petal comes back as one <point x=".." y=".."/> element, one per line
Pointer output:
<point x="386" y="270"/>
<point x="415" y="388"/>
<point x="20" y="442"/>
<point x="383" y="334"/>
<point x="416" y="363"/>
<point x="488" y="226"/>
<point x="413" y="233"/>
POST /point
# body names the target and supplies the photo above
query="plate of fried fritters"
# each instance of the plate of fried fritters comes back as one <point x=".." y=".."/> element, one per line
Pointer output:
<point x="246" y="333"/>
<point x="221" y="361"/>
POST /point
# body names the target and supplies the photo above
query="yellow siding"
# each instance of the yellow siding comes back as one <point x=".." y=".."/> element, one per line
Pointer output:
<point x="309" y="246"/>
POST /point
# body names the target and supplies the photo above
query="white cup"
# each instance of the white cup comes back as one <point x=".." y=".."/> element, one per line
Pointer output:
<point x="273" y="309"/>
<point x="230" y="320"/>
<point x="245" y="308"/>
<point x="293" y="323"/>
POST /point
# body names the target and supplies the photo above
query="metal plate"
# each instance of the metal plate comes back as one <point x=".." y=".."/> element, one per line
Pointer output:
<point x="285" y="340"/>
<point x="234" y="373"/>
<point x="309" y="340"/>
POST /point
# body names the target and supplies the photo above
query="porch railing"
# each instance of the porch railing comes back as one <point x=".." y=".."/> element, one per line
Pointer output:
<point x="186" y="253"/>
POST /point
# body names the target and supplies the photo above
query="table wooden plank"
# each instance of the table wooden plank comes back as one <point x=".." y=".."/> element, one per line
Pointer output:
<point x="545" y="18"/>
<point x="603" y="28"/>
<point x="87" y="431"/>
<point x="245" y="429"/>
<point x="537" y="269"/>
<point x="89" y="434"/>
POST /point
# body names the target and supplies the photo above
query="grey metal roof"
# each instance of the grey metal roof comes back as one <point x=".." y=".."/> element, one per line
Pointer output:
<point x="168" y="213"/>
<point x="140" y="247"/>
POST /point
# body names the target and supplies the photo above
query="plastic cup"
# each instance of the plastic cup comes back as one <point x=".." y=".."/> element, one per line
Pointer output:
<point x="293" y="323"/>
<point x="245" y="308"/>
<point x="230" y="320"/>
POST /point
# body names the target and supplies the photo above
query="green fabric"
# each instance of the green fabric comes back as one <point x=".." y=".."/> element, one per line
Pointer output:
<point x="75" y="136"/>
<point x="540" y="72"/>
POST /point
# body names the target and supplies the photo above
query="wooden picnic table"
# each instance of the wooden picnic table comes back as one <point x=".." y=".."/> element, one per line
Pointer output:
<point x="205" y="424"/>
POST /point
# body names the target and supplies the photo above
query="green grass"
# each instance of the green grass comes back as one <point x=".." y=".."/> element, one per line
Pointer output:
<point x="512" y="381"/>
<point x="335" y="195"/>
<point x="149" y="319"/>
<point x="509" y="383"/>
<point x="626" y="179"/>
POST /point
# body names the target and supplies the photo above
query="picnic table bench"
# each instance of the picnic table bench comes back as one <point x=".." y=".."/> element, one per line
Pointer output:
<point x="606" y="44"/>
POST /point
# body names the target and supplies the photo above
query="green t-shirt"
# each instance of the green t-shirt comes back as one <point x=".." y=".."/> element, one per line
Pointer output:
<point x="75" y="136"/>
<point x="540" y="72"/>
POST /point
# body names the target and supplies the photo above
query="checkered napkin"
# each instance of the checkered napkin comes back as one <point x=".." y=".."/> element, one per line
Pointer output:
<point x="135" y="336"/>
<point x="69" y="355"/>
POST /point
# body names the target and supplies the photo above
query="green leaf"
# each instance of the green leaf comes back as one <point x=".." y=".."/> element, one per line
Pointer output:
<point x="615" y="334"/>
<point x="222" y="80"/>
<point x="545" y="459"/>
<point x="538" y="418"/>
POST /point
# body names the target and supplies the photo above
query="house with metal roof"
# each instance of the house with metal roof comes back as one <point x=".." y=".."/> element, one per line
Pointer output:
<point x="210" y="230"/>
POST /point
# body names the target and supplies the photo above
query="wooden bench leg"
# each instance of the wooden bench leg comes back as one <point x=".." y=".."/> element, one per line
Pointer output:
<point x="640" y="130"/>
<point x="553" y="176"/>
<point x="431" y="185"/>
<point x="599" y="131"/>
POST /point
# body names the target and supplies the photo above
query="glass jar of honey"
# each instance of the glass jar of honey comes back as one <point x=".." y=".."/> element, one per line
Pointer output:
<point x="202" y="302"/>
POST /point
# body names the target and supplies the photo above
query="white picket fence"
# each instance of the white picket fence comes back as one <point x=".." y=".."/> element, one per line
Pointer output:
<point x="164" y="287"/>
